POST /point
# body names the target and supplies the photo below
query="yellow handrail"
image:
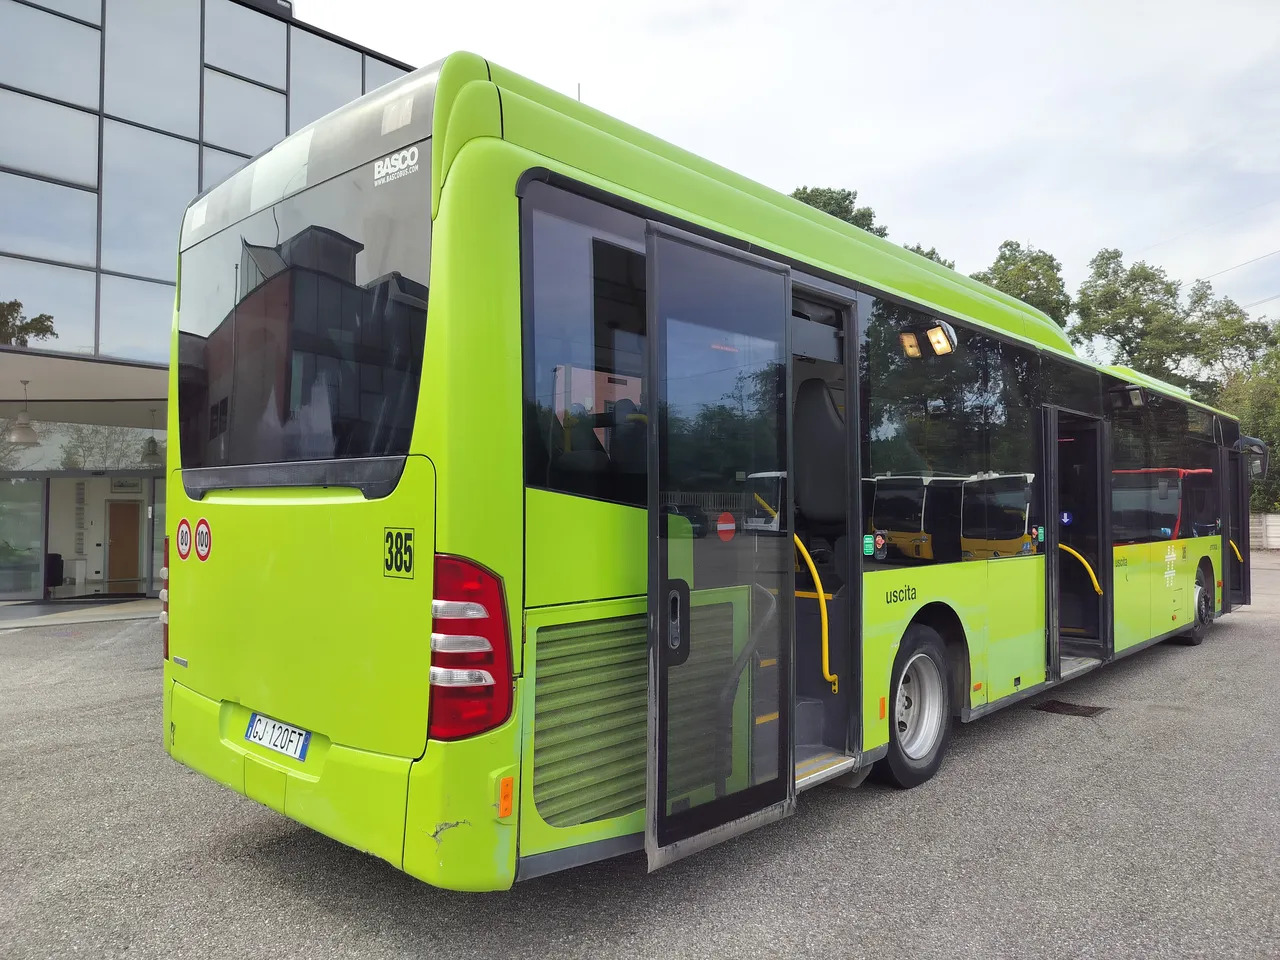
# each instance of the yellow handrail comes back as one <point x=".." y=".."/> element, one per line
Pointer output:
<point x="827" y="675"/>
<point x="1236" y="549"/>
<point x="1096" y="588"/>
<point x="822" y="611"/>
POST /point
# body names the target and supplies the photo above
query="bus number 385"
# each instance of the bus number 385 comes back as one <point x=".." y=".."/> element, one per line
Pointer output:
<point x="398" y="558"/>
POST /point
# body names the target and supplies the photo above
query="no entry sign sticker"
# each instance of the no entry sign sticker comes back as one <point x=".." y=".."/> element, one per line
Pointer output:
<point x="726" y="526"/>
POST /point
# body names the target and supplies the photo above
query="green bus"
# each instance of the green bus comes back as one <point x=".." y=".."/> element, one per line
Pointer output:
<point x="454" y="366"/>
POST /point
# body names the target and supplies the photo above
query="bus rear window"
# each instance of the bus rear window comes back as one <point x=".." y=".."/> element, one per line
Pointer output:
<point x="301" y="327"/>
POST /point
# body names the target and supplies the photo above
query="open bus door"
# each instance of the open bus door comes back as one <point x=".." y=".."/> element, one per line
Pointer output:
<point x="1245" y="463"/>
<point x="720" y="607"/>
<point x="1076" y="451"/>
<point x="1235" y="531"/>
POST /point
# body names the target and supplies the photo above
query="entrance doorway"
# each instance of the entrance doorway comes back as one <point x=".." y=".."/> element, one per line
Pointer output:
<point x="1078" y="538"/>
<point x="124" y="538"/>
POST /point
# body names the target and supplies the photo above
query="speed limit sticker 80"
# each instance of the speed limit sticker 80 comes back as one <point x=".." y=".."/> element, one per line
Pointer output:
<point x="184" y="539"/>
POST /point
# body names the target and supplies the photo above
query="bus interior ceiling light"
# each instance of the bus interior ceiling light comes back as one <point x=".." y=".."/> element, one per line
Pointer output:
<point x="910" y="344"/>
<point x="942" y="339"/>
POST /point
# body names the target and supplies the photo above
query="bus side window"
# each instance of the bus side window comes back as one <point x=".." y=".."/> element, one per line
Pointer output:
<point x="585" y="426"/>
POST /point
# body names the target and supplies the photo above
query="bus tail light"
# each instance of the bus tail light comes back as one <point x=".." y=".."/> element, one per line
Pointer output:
<point x="470" y="651"/>
<point x="164" y="601"/>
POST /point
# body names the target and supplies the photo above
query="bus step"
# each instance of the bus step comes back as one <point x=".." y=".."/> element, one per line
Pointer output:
<point x="1075" y="666"/>
<point x="816" y="763"/>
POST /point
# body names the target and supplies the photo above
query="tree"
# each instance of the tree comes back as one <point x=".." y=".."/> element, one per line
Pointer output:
<point x="17" y="330"/>
<point x="1224" y="340"/>
<point x="930" y="254"/>
<point x="1196" y="342"/>
<point x="1032" y="275"/>
<point x="97" y="447"/>
<point x="1253" y="394"/>
<point x="841" y="204"/>
<point x="1136" y="311"/>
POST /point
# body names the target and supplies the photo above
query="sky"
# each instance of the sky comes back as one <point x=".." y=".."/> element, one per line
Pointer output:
<point x="1153" y="127"/>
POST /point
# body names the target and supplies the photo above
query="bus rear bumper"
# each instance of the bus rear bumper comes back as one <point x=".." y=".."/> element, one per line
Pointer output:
<point x="355" y="797"/>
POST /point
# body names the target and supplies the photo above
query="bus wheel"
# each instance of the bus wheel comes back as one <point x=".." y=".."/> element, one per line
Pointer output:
<point x="920" y="717"/>
<point x="1203" y="612"/>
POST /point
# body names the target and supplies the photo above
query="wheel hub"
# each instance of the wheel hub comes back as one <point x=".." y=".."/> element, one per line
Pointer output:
<point x="918" y="713"/>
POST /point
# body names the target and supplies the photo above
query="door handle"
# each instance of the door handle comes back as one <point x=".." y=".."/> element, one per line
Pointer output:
<point x="673" y="619"/>
<point x="675" y="623"/>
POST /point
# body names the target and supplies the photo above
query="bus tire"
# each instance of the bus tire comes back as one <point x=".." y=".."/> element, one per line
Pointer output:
<point x="1202" y="610"/>
<point x="919" y="709"/>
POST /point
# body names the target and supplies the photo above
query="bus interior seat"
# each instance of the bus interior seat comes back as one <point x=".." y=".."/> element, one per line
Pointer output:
<point x="820" y="488"/>
<point x="628" y="450"/>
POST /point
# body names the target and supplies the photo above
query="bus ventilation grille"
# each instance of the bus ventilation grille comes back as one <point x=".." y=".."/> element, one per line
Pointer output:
<point x="591" y="714"/>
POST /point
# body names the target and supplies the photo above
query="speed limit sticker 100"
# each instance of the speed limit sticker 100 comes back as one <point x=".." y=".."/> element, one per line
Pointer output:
<point x="204" y="539"/>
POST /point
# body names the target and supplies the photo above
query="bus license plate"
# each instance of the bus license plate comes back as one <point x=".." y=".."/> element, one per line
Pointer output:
<point x="278" y="736"/>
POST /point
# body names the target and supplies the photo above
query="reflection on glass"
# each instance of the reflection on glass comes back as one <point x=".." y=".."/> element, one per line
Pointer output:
<point x="1163" y="482"/>
<point x="302" y="327"/>
<point x="90" y="10"/>
<point x="27" y="37"/>
<point x="379" y="72"/>
<point x="721" y="402"/>
<point x="949" y="455"/>
<point x="44" y="138"/>
<point x="585" y="417"/>
<point x="218" y="165"/>
<point x="157" y="534"/>
<point x="241" y="116"/>
<point x="995" y="517"/>
<point x="65" y="294"/>
<point x="48" y="221"/>
<point x="153" y="63"/>
<point x="21" y="539"/>
<point x="135" y="320"/>
<point x="244" y="41"/>
<point x="322" y="77"/>
<point x="147" y="181"/>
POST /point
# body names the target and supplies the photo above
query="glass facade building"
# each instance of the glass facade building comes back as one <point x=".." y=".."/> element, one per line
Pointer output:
<point x="115" y="113"/>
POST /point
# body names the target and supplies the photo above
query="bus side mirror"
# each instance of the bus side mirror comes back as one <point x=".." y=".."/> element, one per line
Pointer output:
<point x="1258" y="455"/>
<point x="1164" y="489"/>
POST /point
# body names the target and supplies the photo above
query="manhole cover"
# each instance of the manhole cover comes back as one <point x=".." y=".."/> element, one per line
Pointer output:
<point x="1069" y="709"/>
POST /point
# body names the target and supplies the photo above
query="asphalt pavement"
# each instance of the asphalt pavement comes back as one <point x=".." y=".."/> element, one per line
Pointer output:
<point x="1149" y="830"/>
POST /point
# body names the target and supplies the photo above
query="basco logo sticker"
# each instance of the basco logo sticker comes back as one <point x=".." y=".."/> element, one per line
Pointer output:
<point x="184" y="539"/>
<point x="204" y="539"/>
<point x="395" y="166"/>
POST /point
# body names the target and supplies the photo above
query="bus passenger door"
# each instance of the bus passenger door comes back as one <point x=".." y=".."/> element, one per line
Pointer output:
<point x="720" y="604"/>
<point x="1077" y="542"/>
<point x="1235" y="549"/>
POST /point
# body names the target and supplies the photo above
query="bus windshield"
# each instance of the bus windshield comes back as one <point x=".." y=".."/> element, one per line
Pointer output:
<point x="765" y="495"/>
<point x="899" y="504"/>
<point x="995" y="508"/>
<point x="301" y="326"/>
